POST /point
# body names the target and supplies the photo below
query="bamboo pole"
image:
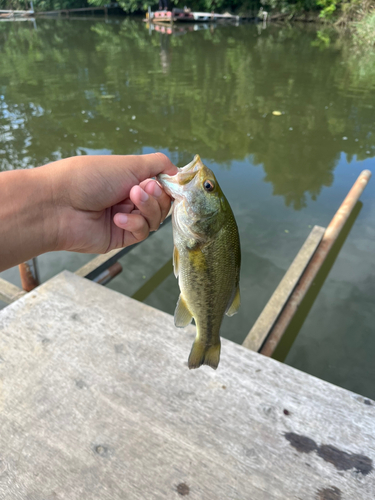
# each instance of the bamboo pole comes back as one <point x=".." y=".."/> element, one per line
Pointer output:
<point x="330" y="236"/>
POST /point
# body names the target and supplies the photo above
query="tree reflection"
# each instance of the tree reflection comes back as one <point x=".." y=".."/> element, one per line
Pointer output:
<point x="73" y="87"/>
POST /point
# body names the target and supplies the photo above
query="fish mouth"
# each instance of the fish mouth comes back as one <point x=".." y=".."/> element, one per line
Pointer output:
<point x="193" y="166"/>
<point x="174" y="184"/>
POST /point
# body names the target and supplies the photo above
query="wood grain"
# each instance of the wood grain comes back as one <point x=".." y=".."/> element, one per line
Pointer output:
<point x="9" y="292"/>
<point x="97" y="403"/>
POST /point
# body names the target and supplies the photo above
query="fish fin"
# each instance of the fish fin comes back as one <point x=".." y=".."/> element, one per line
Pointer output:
<point x="182" y="315"/>
<point x="202" y="354"/>
<point x="235" y="305"/>
<point x="176" y="261"/>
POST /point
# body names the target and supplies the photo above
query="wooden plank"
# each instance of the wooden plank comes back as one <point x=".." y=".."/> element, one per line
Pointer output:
<point x="16" y="12"/>
<point x="97" y="403"/>
<point x="331" y="234"/>
<point x="9" y="292"/>
<point x="265" y="322"/>
<point x="102" y="262"/>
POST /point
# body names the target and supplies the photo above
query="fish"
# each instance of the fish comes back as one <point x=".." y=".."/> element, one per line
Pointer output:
<point x="206" y="257"/>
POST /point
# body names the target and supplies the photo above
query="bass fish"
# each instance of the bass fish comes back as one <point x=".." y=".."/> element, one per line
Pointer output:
<point x="206" y="257"/>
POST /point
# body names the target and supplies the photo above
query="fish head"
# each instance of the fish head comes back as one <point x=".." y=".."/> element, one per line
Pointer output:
<point x="199" y="201"/>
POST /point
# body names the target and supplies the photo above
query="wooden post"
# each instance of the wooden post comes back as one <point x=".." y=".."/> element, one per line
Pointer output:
<point x="29" y="275"/>
<point x="330" y="236"/>
<point x="268" y="317"/>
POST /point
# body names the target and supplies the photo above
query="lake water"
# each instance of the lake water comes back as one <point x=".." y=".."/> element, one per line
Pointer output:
<point x="99" y="87"/>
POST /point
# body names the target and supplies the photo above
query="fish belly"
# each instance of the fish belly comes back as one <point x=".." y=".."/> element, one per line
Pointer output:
<point x="207" y="279"/>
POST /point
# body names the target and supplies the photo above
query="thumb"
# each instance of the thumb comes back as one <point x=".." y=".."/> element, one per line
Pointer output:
<point x="151" y="165"/>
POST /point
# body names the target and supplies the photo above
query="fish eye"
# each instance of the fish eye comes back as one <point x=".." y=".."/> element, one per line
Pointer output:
<point x="209" y="185"/>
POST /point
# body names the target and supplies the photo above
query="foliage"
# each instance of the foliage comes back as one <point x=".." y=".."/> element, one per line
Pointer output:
<point x="14" y="5"/>
<point x="128" y="5"/>
<point x="47" y="5"/>
<point x="290" y="7"/>
<point x="328" y="7"/>
<point x="364" y="33"/>
<point x="200" y="5"/>
<point x="346" y="10"/>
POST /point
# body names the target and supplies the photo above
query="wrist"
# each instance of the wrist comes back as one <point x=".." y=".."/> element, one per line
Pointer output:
<point x="61" y="177"/>
<point x="42" y="188"/>
<point x="26" y="216"/>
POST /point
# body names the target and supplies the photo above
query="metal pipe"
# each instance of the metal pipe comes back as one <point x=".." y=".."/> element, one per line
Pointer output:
<point x="108" y="274"/>
<point x="29" y="275"/>
<point x="329" y="238"/>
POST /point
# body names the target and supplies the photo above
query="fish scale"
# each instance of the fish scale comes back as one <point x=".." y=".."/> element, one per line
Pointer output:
<point x="206" y="257"/>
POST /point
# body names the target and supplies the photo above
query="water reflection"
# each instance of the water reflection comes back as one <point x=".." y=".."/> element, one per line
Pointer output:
<point x="76" y="87"/>
<point x="113" y="86"/>
<point x="177" y="29"/>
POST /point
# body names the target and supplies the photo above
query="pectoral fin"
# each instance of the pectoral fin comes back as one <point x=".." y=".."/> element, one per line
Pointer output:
<point x="233" y="308"/>
<point x="182" y="315"/>
<point x="175" y="261"/>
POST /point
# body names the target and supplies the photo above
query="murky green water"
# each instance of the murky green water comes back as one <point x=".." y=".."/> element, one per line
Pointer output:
<point x="95" y="87"/>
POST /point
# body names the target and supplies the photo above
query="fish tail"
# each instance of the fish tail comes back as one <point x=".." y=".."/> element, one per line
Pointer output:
<point x="202" y="354"/>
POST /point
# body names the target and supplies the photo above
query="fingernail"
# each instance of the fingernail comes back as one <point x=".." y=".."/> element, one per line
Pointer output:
<point x="157" y="190"/>
<point x="144" y="195"/>
<point x="122" y="218"/>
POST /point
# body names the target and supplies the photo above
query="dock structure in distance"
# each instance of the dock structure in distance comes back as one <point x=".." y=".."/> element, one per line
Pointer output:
<point x="186" y="15"/>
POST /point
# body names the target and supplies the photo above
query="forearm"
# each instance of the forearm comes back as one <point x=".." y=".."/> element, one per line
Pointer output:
<point x="27" y="225"/>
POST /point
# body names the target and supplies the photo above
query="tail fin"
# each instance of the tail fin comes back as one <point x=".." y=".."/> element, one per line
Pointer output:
<point x="202" y="354"/>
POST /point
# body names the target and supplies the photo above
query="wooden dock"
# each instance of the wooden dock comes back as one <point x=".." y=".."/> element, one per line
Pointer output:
<point x="11" y="14"/>
<point x="97" y="403"/>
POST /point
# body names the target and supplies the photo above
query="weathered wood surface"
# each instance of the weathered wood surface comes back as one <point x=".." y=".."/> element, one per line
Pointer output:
<point x="97" y="403"/>
<point x="268" y="317"/>
<point x="9" y="292"/>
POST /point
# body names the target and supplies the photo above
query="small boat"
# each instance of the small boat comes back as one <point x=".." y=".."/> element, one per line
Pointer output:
<point x="169" y="16"/>
<point x="185" y="15"/>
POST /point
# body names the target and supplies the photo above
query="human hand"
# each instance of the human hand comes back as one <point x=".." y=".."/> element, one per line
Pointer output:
<point x="107" y="202"/>
<point x="80" y="204"/>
